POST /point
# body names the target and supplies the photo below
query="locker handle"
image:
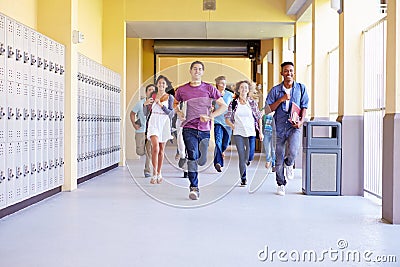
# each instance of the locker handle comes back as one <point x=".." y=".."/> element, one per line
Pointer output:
<point x="10" y="52"/>
<point x="18" y="55"/>
<point x="10" y="174"/>
<point x="57" y="164"/>
<point x="46" y="65"/>
<point x="45" y="166"/>
<point x="26" y="170"/>
<point x="26" y="113"/>
<point x="45" y="115"/>
<point x="33" y="60"/>
<point x="2" y="113"/>
<point x="51" y="164"/>
<point x="39" y="62"/>
<point x="2" y="176"/>
<point x="19" y="114"/>
<point x="61" y="70"/>
<point x="57" y="69"/>
<point x="10" y="113"/>
<point x="18" y="172"/>
<point x="26" y="57"/>
<point x="33" y="168"/>
<point x="2" y="50"/>
<point x="39" y="168"/>
<point x="39" y="116"/>
<point x="33" y="114"/>
<point x="51" y="66"/>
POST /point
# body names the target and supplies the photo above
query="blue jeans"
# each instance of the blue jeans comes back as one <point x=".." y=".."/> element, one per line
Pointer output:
<point x="196" y="143"/>
<point x="269" y="146"/>
<point x="252" y="147"/>
<point x="292" y="138"/>
<point x="243" y="149"/>
<point x="222" y="139"/>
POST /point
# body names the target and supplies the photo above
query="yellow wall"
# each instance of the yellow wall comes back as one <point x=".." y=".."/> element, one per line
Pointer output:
<point x="90" y="18"/>
<point x="148" y="59"/>
<point x="24" y="11"/>
<point x="226" y="10"/>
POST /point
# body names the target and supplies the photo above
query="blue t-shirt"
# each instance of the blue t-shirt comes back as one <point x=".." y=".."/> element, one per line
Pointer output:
<point x="138" y="109"/>
<point x="227" y="97"/>
<point x="298" y="94"/>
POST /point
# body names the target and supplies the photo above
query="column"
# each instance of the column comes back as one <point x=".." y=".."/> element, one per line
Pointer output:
<point x="391" y="121"/>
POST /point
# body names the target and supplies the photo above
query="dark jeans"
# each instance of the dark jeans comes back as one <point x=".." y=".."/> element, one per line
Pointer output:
<point x="196" y="143"/>
<point x="252" y="147"/>
<point x="292" y="138"/>
<point x="222" y="139"/>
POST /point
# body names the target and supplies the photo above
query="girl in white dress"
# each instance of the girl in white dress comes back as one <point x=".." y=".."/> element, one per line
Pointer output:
<point x="159" y="126"/>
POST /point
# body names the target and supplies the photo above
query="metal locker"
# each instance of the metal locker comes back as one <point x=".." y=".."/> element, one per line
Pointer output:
<point x="56" y="158"/>
<point x="32" y="168"/>
<point x="25" y="120"/>
<point x="45" y="110"/>
<point x="39" y="112"/>
<point x="39" y="166"/>
<point x="39" y="59"/>
<point x="10" y="52"/>
<point x="3" y="47"/>
<point x="3" y="176"/>
<point x="50" y="169"/>
<point x="25" y="169"/>
<point x="10" y="112"/>
<point x="18" y="105"/>
<point x="50" y="108"/>
<point x="61" y="161"/>
<point x="32" y="113"/>
<point x="45" y="164"/>
<point x="3" y="112"/>
<point x="26" y="57"/>
<point x="61" y="112"/>
<point x="55" y="114"/>
<point x="18" y="170"/>
<point x="10" y="180"/>
<point x="33" y="58"/>
<point x="18" y="49"/>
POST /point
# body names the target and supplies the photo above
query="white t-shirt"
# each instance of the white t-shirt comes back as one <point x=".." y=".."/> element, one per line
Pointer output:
<point x="244" y="121"/>
<point x="287" y="91"/>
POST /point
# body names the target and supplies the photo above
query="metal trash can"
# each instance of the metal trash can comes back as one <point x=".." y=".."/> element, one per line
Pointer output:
<point x="322" y="158"/>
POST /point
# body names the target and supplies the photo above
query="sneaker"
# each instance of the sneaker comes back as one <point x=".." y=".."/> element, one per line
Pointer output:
<point x="218" y="167"/>
<point x="267" y="164"/>
<point x="289" y="172"/>
<point x="243" y="183"/>
<point x="273" y="169"/>
<point x="194" y="193"/>
<point x="181" y="162"/>
<point x="281" y="190"/>
<point x="147" y="175"/>
<point x="248" y="163"/>
<point x="159" y="179"/>
<point x="185" y="175"/>
<point x="153" y="179"/>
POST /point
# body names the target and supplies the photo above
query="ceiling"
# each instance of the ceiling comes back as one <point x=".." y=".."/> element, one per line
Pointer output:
<point x="218" y="30"/>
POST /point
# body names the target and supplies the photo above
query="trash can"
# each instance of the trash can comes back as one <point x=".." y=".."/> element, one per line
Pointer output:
<point x="322" y="158"/>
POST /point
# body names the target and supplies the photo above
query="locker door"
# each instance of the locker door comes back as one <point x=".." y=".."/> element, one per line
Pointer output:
<point x="3" y="112"/>
<point x="25" y="121"/>
<point x="56" y="158"/>
<point x="55" y="114"/>
<point x="10" y="163"/>
<point x="25" y="169"/>
<point x="3" y="47"/>
<point x="32" y="168"/>
<point x="39" y="60"/>
<point x="61" y="161"/>
<point x="61" y="120"/>
<point x="26" y="73"/>
<point x="18" y="104"/>
<point x="19" y="48"/>
<point x="45" y="110"/>
<point x="39" y="167"/>
<point x="10" y="112"/>
<point x="18" y="171"/>
<point x="3" y="176"/>
<point x="45" y="164"/>
<point x="39" y="113"/>
<point x="32" y="115"/>
<point x="10" y="50"/>
<point x="33" y="58"/>
<point x="52" y="182"/>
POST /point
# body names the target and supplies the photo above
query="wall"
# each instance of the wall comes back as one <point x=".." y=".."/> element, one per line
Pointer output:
<point x="26" y="15"/>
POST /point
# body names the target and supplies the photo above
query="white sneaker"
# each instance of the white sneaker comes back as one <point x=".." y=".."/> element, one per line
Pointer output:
<point x="281" y="190"/>
<point x="289" y="172"/>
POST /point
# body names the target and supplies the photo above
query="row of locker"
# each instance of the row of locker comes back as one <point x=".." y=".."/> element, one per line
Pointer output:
<point x="31" y="113"/>
<point x="29" y="57"/>
<point x="98" y="118"/>
<point x="29" y="168"/>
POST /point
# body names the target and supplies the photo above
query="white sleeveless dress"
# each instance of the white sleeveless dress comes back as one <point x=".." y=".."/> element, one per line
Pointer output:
<point x="159" y="124"/>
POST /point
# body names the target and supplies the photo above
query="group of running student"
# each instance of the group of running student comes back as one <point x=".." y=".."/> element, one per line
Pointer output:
<point x="197" y="103"/>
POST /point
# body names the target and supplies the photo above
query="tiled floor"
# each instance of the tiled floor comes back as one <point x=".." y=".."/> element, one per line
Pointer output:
<point x="120" y="220"/>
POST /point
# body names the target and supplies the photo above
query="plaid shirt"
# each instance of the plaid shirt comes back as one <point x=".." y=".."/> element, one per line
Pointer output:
<point x="230" y="114"/>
